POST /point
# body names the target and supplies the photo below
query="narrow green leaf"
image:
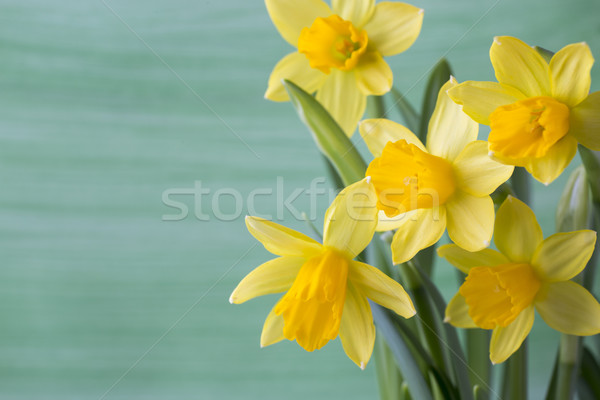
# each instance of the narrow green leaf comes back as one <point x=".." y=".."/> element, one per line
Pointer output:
<point x="546" y="54"/>
<point x="589" y="384"/>
<point x="407" y="111"/>
<point x="389" y="379"/>
<point x="551" y="394"/>
<point x="440" y="75"/>
<point x="376" y="107"/>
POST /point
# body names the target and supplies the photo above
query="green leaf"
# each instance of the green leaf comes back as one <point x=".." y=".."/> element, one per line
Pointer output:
<point x="389" y="379"/>
<point x="407" y="111"/>
<point x="572" y="212"/>
<point x="589" y="384"/>
<point x="438" y="77"/>
<point x="546" y="54"/>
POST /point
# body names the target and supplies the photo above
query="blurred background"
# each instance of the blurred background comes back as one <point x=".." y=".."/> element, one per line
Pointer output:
<point x="105" y="106"/>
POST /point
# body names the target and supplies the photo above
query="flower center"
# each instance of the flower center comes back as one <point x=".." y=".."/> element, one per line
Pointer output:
<point x="497" y="295"/>
<point x="332" y="43"/>
<point x="312" y="308"/>
<point x="528" y="128"/>
<point x="407" y="178"/>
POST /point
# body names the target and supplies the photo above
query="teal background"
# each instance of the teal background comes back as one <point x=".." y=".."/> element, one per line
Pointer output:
<point x="102" y="298"/>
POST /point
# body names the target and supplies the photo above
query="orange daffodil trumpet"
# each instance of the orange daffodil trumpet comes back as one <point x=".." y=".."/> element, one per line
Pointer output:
<point x="502" y="288"/>
<point x="424" y="189"/>
<point x="326" y="290"/>
<point x="538" y="111"/>
<point x="340" y="50"/>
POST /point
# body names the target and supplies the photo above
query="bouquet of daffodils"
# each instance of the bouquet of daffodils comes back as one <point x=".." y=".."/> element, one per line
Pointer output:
<point x="371" y="269"/>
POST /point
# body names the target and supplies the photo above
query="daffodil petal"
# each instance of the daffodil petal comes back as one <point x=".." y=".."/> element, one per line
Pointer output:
<point x="380" y="288"/>
<point x="476" y="173"/>
<point x="569" y="308"/>
<point x="465" y="260"/>
<point x="570" y="68"/>
<point x="280" y="240"/>
<point x="294" y="67"/>
<point x="480" y="99"/>
<point x="342" y="98"/>
<point x="357" y="331"/>
<point x="470" y="220"/>
<point x="394" y="27"/>
<point x="517" y="233"/>
<point x="585" y="122"/>
<point x="378" y="132"/>
<point x="356" y="11"/>
<point x="419" y="229"/>
<point x="505" y="341"/>
<point x="351" y="219"/>
<point x="291" y="16"/>
<point x="373" y="75"/>
<point x="385" y="223"/>
<point x="274" y="276"/>
<point x="457" y="313"/>
<point x="518" y="65"/>
<point x="272" y="330"/>
<point x="549" y="167"/>
<point x="564" y="255"/>
<point x="450" y="129"/>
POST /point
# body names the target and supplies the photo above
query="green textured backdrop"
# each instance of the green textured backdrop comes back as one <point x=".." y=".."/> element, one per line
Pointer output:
<point x="94" y="127"/>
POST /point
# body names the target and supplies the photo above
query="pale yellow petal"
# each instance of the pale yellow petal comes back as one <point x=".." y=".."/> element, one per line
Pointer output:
<point x="564" y="255"/>
<point x="569" y="308"/>
<point x="419" y="229"/>
<point x="356" y="11"/>
<point x="373" y="75"/>
<point x="394" y="27"/>
<point x="293" y="67"/>
<point x="480" y="99"/>
<point x="342" y="98"/>
<point x="385" y="223"/>
<point x="457" y="313"/>
<point x="272" y="330"/>
<point x="518" y="65"/>
<point x="380" y="288"/>
<point x="450" y="129"/>
<point x="470" y="220"/>
<point x="570" y="68"/>
<point x="357" y="331"/>
<point x="505" y="341"/>
<point x="378" y="132"/>
<point x="585" y="122"/>
<point x="517" y="233"/>
<point x="476" y="173"/>
<point x="549" y="167"/>
<point x="465" y="260"/>
<point x="351" y="219"/>
<point x="291" y="16"/>
<point x="281" y="240"/>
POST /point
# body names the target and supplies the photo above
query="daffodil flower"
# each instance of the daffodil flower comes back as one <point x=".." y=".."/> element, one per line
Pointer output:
<point x="326" y="290"/>
<point x="340" y="50"/>
<point x="502" y="288"/>
<point x="538" y="111"/>
<point x="424" y="189"/>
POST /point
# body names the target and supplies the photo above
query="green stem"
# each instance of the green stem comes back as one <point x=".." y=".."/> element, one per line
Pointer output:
<point x="520" y="183"/>
<point x="478" y="343"/>
<point x="515" y="375"/>
<point x="375" y="107"/>
<point x="570" y="348"/>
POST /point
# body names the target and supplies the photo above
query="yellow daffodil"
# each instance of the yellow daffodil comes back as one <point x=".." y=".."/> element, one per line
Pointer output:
<point x="340" y="50"/>
<point x="424" y="189"/>
<point x="538" y="111"/>
<point x="326" y="290"/>
<point x="502" y="288"/>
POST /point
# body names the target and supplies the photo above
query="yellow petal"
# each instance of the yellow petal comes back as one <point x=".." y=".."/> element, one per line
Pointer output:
<point x="394" y="27"/>
<point x="281" y="240"/>
<point x="546" y="169"/>
<point x="351" y="219"/>
<point x="569" y="308"/>
<point x="457" y="313"/>
<point x="517" y="233"/>
<point x="272" y="330"/>
<point x="564" y="255"/>
<point x="470" y="220"/>
<point x="294" y="67"/>
<point x="518" y="65"/>
<point x="380" y="288"/>
<point x="450" y="129"/>
<point x="341" y="96"/>
<point x="357" y="331"/>
<point x="465" y="260"/>
<point x="290" y="16"/>
<point x="585" y="122"/>
<point x="378" y="132"/>
<point x="505" y="341"/>
<point x="419" y="229"/>
<point x="373" y="74"/>
<point x="274" y="276"/>
<point x="476" y="173"/>
<point x="385" y="223"/>
<point x="356" y="11"/>
<point x="570" y="68"/>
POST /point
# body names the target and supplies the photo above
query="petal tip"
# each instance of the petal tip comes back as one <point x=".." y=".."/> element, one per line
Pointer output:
<point x="368" y="179"/>
<point x="497" y="40"/>
<point x="422" y="11"/>
<point x="447" y="319"/>
<point x="362" y="365"/>
<point x="486" y="243"/>
<point x="231" y="300"/>
<point x="490" y="153"/>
